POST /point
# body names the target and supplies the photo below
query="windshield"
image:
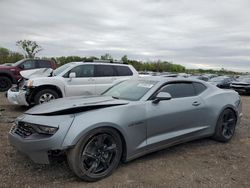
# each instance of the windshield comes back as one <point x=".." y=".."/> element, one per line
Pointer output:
<point x="59" y="70"/>
<point x="130" y="90"/>
<point x="18" y="63"/>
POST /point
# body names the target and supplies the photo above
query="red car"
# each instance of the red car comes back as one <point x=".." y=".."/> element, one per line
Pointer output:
<point x="10" y="73"/>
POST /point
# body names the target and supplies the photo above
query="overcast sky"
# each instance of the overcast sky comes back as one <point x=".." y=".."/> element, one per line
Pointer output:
<point x="194" y="33"/>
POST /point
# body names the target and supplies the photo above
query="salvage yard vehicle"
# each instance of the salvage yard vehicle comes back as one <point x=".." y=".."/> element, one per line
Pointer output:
<point x="10" y="73"/>
<point x="131" y="119"/>
<point x="222" y="82"/>
<point x="242" y="85"/>
<point x="71" y="79"/>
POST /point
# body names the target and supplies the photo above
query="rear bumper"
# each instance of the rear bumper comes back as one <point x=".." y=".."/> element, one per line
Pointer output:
<point x="17" y="97"/>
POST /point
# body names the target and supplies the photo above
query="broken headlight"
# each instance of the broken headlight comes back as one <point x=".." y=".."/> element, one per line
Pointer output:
<point x="41" y="129"/>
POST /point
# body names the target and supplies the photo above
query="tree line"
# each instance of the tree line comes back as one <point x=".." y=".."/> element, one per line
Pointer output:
<point x="31" y="48"/>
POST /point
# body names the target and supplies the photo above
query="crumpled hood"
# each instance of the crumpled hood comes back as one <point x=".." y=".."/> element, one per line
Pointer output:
<point x="34" y="73"/>
<point x="71" y="105"/>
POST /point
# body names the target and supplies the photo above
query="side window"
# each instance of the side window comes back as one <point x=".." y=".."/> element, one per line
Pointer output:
<point x="44" y="64"/>
<point x="104" y="71"/>
<point x="29" y="64"/>
<point x="82" y="71"/>
<point x="199" y="88"/>
<point x="123" y="71"/>
<point x="179" y="90"/>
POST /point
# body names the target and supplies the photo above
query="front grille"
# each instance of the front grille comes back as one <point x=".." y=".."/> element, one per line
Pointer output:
<point x="24" y="130"/>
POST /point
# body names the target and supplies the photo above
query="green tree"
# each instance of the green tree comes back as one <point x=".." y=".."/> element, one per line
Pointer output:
<point x="30" y="48"/>
<point x="125" y="59"/>
<point x="7" y="56"/>
<point x="107" y="57"/>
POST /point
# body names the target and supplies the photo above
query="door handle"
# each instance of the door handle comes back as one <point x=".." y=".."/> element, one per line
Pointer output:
<point x="196" y="103"/>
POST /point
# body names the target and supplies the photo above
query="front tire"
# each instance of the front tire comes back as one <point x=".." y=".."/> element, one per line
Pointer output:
<point x="5" y="83"/>
<point x="96" y="155"/>
<point x="45" y="95"/>
<point x="225" y="127"/>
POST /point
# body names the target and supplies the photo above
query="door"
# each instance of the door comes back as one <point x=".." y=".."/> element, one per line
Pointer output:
<point x="83" y="83"/>
<point x="178" y="118"/>
<point x="105" y="76"/>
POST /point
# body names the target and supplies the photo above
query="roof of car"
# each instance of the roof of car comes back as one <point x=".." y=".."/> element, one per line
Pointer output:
<point x="168" y="79"/>
<point x="99" y="63"/>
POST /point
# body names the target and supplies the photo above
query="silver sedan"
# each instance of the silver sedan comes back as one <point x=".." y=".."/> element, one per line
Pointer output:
<point x="131" y="119"/>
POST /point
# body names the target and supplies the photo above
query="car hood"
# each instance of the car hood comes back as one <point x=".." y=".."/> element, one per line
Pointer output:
<point x="6" y="67"/>
<point x="71" y="105"/>
<point x="34" y="73"/>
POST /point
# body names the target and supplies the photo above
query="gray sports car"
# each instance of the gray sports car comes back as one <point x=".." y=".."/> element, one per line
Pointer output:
<point x="131" y="119"/>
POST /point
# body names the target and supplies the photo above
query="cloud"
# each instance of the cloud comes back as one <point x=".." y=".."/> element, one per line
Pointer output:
<point x="195" y="33"/>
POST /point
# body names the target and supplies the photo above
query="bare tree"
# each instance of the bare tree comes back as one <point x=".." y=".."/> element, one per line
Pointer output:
<point x="30" y="48"/>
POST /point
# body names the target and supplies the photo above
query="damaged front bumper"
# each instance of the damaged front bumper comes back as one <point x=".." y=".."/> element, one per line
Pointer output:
<point x="36" y="146"/>
<point x="17" y="97"/>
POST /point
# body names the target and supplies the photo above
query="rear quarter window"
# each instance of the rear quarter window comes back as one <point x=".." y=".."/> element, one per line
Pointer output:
<point x="123" y="71"/>
<point x="199" y="87"/>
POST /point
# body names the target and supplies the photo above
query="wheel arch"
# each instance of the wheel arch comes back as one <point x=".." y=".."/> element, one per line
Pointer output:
<point x="231" y="107"/>
<point x="107" y="126"/>
<point x="35" y="90"/>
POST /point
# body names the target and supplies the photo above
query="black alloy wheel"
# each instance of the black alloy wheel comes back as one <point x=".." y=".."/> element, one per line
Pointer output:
<point x="225" y="126"/>
<point x="96" y="155"/>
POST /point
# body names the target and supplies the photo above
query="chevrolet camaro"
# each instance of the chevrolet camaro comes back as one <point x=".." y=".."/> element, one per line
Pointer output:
<point x="131" y="119"/>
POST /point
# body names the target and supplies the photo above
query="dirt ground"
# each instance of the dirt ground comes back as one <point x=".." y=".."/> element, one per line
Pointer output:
<point x="202" y="163"/>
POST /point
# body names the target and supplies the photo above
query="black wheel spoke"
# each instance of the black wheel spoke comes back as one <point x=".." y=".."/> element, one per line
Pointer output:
<point x="111" y="148"/>
<point x="93" y="167"/>
<point x="89" y="155"/>
<point x="99" y="153"/>
<point x="105" y="163"/>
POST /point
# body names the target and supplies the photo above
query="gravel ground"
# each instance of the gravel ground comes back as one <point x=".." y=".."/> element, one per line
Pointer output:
<point x="202" y="163"/>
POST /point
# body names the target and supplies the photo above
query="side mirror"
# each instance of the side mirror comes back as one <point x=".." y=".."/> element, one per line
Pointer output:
<point x="162" y="96"/>
<point x="72" y="75"/>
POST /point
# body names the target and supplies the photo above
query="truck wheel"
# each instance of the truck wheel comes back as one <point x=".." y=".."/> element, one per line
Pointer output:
<point x="45" y="95"/>
<point x="5" y="83"/>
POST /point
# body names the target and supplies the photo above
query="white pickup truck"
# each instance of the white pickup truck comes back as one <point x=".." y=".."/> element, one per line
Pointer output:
<point x="71" y="79"/>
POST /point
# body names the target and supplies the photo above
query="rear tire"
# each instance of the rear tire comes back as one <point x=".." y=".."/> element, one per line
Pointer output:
<point x="96" y="155"/>
<point x="45" y="95"/>
<point x="5" y="83"/>
<point x="225" y="127"/>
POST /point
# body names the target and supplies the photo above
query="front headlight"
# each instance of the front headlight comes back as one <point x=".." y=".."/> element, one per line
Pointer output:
<point x="25" y="129"/>
<point x="41" y="129"/>
<point x="29" y="83"/>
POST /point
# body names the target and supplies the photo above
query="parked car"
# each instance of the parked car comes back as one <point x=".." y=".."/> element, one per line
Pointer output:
<point x="242" y="85"/>
<point x="200" y="77"/>
<point x="10" y="73"/>
<point x="72" y="79"/>
<point x="223" y="82"/>
<point x="131" y="119"/>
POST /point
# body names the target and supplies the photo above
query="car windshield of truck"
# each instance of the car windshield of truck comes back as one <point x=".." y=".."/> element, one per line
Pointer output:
<point x="59" y="70"/>
<point x="132" y="90"/>
<point x="18" y="63"/>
